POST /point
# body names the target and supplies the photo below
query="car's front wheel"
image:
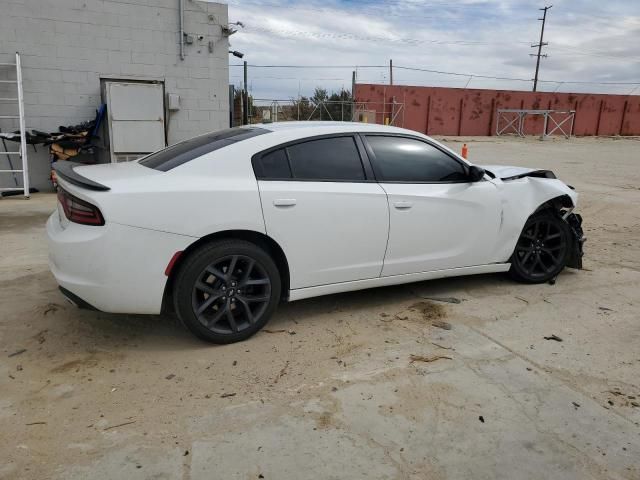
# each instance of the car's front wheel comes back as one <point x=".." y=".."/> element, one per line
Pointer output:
<point x="227" y="290"/>
<point x="542" y="250"/>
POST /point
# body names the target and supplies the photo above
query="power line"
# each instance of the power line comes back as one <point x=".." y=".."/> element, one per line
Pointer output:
<point x="311" y="66"/>
<point x="415" y="41"/>
<point x="440" y="72"/>
<point x="464" y="74"/>
<point x="539" y="45"/>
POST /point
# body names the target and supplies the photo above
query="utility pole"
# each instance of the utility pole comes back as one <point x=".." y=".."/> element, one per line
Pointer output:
<point x="539" y="46"/>
<point x="390" y="72"/>
<point x="353" y="85"/>
<point x="245" y="98"/>
<point x="353" y="95"/>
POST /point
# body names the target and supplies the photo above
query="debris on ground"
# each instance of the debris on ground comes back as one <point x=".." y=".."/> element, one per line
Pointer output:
<point x="576" y="405"/>
<point x="226" y="395"/>
<point x="291" y="332"/>
<point x="428" y="359"/>
<point x="17" y="352"/>
<point x="444" y="299"/>
<point x="266" y="330"/>
<point x="35" y="423"/>
<point x="481" y="418"/>
<point x="50" y="308"/>
<point x="282" y="372"/>
<point x="429" y="310"/>
<point x="522" y="299"/>
<point x="605" y="309"/>
<point x="40" y="336"/>
<point x="441" y="324"/>
<point x="119" y="425"/>
<point x="442" y="346"/>
<point x="553" y="337"/>
<point x="170" y="376"/>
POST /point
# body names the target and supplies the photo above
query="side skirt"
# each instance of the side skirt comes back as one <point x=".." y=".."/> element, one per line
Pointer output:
<point x="308" y="292"/>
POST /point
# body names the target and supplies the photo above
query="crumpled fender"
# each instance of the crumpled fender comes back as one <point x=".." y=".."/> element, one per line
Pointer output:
<point x="513" y="173"/>
<point x="520" y="199"/>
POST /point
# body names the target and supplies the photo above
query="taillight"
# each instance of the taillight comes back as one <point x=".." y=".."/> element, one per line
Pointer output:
<point x="79" y="211"/>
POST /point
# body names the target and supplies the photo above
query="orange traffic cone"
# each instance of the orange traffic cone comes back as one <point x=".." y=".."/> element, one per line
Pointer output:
<point x="465" y="151"/>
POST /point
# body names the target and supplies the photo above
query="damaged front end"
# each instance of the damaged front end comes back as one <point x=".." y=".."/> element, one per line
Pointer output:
<point x="576" y="251"/>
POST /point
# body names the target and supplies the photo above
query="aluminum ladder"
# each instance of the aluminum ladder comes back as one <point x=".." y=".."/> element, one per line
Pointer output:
<point x="22" y="152"/>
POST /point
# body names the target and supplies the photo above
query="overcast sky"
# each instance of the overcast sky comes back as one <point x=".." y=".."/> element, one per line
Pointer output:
<point x="589" y="40"/>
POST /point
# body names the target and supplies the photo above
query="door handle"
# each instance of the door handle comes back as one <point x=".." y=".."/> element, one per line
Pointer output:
<point x="284" y="202"/>
<point x="403" y="205"/>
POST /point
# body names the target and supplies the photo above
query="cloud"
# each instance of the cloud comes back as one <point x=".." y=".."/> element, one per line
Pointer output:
<point x="589" y="40"/>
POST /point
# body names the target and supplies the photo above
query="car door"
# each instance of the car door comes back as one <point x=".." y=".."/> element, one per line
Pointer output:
<point x="438" y="218"/>
<point x="329" y="216"/>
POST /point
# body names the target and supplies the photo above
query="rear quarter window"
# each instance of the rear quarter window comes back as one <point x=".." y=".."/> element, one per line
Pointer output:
<point x="183" y="152"/>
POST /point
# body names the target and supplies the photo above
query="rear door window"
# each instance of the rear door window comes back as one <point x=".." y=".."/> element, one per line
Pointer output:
<point x="324" y="159"/>
<point x="188" y="150"/>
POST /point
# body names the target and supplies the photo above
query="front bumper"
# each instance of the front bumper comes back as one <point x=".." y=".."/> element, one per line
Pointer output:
<point x="575" y="256"/>
<point x="113" y="268"/>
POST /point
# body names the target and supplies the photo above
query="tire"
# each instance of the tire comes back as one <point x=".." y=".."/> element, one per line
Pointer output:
<point x="542" y="250"/>
<point x="226" y="291"/>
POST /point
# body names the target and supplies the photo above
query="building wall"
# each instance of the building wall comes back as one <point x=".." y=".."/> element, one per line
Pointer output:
<point x="457" y="111"/>
<point x="68" y="45"/>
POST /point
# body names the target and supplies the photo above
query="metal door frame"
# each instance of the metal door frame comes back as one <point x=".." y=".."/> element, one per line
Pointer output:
<point x="103" y="91"/>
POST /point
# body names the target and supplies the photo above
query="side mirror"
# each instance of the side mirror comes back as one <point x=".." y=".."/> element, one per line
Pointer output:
<point x="475" y="173"/>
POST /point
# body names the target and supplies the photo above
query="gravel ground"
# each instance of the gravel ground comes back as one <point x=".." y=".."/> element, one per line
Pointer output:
<point x="358" y="385"/>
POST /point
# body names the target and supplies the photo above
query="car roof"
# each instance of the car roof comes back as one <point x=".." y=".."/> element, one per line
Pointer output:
<point x="318" y="128"/>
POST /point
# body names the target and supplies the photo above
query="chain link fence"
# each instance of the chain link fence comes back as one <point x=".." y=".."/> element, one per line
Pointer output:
<point x="264" y="110"/>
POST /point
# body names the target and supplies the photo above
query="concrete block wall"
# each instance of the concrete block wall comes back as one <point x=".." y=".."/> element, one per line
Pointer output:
<point x="67" y="46"/>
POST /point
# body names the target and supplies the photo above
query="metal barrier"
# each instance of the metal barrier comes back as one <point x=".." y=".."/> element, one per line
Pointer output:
<point x="513" y="121"/>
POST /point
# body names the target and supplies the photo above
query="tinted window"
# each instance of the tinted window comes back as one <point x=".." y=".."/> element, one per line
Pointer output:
<point x="275" y="165"/>
<point x="186" y="151"/>
<point x="399" y="159"/>
<point x="326" y="159"/>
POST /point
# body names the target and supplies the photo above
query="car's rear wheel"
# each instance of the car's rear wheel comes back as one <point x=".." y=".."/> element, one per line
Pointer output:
<point x="542" y="249"/>
<point x="227" y="290"/>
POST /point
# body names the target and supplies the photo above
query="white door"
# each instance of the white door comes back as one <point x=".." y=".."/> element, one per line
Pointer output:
<point x="438" y="219"/>
<point x="331" y="220"/>
<point x="136" y="119"/>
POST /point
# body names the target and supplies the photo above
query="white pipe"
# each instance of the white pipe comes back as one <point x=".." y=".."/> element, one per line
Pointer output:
<point x="181" y="8"/>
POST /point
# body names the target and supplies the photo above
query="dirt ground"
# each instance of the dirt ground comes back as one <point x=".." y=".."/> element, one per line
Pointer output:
<point x="358" y="385"/>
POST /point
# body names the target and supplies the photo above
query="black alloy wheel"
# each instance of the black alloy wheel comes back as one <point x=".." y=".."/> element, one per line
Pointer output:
<point x="231" y="294"/>
<point x="542" y="249"/>
<point x="226" y="291"/>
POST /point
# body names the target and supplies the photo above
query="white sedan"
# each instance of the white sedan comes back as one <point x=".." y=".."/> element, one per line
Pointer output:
<point x="222" y="227"/>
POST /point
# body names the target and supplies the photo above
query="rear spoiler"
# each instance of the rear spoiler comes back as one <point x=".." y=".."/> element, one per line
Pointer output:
<point x="64" y="170"/>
